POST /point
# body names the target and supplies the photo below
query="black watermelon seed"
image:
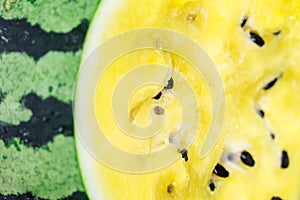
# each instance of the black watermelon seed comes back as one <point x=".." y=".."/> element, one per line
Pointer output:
<point x="277" y="33"/>
<point x="270" y="84"/>
<point x="245" y="18"/>
<point x="219" y="170"/>
<point x="247" y="159"/>
<point x="156" y="97"/>
<point x="159" y="110"/>
<point x="276" y="198"/>
<point x="170" y="84"/>
<point x="272" y="135"/>
<point x="284" y="160"/>
<point x="184" y="154"/>
<point x="261" y="113"/>
<point x="170" y="188"/>
<point x="212" y="186"/>
<point x="257" y="39"/>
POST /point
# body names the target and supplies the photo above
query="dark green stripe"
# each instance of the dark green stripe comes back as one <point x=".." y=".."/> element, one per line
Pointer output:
<point x="77" y="196"/>
<point x="29" y="196"/>
<point x="26" y="196"/>
<point x="50" y="117"/>
<point x="19" y="36"/>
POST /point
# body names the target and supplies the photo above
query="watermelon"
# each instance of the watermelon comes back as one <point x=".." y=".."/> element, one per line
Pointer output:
<point x="253" y="45"/>
<point x="40" y="48"/>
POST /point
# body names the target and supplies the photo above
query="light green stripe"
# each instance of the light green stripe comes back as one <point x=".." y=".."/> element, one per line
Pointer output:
<point x="53" y="75"/>
<point x="50" y="172"/>
<point x="52" y="15"/>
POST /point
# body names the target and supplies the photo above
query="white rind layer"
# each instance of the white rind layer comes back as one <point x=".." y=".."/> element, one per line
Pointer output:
<point x="88" y="165"/>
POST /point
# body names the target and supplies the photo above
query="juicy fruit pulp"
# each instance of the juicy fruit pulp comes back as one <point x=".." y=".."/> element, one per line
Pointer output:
<point x="254" y="46"/>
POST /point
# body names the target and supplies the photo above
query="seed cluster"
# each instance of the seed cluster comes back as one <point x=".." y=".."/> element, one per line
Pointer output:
<point x="245" y="156"/>
<point x="247" y="159"/>
<point x="254" y="36"/>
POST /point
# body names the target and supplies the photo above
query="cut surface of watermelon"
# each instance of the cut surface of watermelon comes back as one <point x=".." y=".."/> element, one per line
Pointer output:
<point x="254" y="47"/>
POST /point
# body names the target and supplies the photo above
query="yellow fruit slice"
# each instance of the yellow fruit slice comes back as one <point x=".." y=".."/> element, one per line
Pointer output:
<point x="246" y="163"/>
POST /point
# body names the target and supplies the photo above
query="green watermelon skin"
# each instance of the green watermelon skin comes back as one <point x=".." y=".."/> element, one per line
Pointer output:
<point x="40" y="49"/>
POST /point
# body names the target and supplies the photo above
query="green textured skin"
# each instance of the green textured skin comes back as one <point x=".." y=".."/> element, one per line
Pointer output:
<point x="53" y="75"/>
<point x="54" y="15"/>
<point x="51" y="171"/>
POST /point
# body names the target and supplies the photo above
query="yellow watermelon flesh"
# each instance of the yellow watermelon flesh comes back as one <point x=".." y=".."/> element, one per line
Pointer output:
<point x="254" y="47"/>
